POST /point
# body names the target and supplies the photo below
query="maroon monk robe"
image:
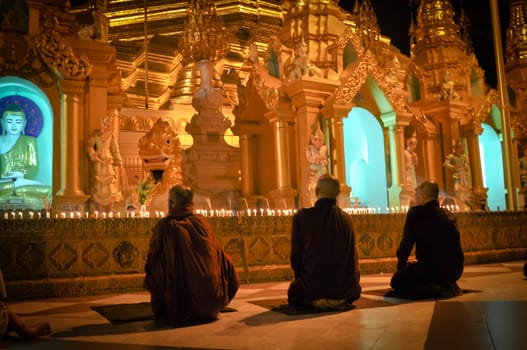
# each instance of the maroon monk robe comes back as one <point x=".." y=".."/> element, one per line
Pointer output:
<point x="188" y="274"/>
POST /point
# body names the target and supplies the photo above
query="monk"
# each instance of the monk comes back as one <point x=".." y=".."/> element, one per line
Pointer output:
<point x="189" y="276"/>
<point x="434" y="233"/>
<point x="323" y="253"/>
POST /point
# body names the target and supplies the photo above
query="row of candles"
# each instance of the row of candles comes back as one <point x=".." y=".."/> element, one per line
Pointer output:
<point x="12" y="214"/>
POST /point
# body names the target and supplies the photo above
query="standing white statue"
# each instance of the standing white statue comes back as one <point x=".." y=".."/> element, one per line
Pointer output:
<point x="105" y="156"/>
<point x="410" y="162"/>
<point x="317" y="156"/>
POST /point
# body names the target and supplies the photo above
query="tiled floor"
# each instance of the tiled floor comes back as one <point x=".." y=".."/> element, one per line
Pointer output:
<point x="492" y="316"/>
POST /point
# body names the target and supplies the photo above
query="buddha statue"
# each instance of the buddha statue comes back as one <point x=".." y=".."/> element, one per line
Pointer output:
<point x="18" y="158"/>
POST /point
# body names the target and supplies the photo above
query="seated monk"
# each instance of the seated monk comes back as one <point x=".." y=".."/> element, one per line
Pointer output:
<point x="434" y="233"/>
<point x="18" y="157"/>
<point x="189" y="276"/>
<point x="324" y="255"/>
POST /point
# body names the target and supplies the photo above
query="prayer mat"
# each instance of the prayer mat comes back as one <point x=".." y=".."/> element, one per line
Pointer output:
<point x="282" y="306"/>
<point x="389" y="292"/>
<point x="120" y="313"/>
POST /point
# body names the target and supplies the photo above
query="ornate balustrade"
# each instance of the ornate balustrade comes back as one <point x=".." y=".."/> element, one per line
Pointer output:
<point x="43" y="258"/>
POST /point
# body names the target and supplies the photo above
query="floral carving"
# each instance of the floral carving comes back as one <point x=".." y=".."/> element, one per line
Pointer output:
<point x="58" y="56"/>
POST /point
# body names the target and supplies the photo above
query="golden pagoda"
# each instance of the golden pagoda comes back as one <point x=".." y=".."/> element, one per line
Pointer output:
<point x="304" y="88"/>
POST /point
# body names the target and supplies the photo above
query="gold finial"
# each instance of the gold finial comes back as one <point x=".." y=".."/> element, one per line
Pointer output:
<point x="204" y="36"/>
<point x="435" y="18"/>
<point x="367" y="23"/>
<point x="516" y="42"/>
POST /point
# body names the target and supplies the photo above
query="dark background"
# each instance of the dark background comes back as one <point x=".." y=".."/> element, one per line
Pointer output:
<point x="393" y="17"/>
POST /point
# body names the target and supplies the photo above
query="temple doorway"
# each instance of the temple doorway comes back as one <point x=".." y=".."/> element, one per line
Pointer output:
<point x="492" y="166"/>
<point x="365" y="160"/>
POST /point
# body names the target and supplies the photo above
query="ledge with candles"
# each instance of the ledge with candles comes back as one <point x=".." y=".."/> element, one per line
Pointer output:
<point x="73" y="254"/>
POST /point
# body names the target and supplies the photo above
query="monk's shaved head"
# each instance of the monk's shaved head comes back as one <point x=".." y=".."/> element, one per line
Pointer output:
<point x="327" y="187"/>
<point x="180" y="196"/>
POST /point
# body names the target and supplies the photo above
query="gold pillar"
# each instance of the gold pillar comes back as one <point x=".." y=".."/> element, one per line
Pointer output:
<point x="512" y="198"/>
<point x="284" y="195"/>
<point x="334" y="113"/>
<point x="432" y="154"/>
<point x="247" y="164"/>
<point x="397" y="143"/>
<point x="70" y="196"/>
<point x="307" y="115"/>
<point x="476" y="171"/>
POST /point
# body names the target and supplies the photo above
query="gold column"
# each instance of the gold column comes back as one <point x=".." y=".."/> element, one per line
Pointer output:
<point x="284" y="195"/>
<point x="512" y="198"/>
<point x="70" y="197"/>
<point x="396" y="142"/>
<point x="432" y="152"/>
<point x="476" y="172"/>
<point x="334" y="113"/>
<point x="247" y="164"/>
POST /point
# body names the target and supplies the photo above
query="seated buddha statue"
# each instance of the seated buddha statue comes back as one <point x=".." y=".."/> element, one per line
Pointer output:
<point x="18" y="157"/>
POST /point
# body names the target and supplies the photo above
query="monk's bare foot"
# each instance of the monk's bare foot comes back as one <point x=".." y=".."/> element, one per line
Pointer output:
<point x="35" y="331"/>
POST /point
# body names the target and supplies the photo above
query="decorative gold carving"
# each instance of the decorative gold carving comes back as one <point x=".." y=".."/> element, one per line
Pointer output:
<point x="58" y="56"/>
<point x="264" y="83"/>
<point x="300" y="65"/>
<point x="204" y="37"/>
<point x="136" y="123"/>
<point x="435" y="19"/>
<point x="20" y="58"/>
<point x="516" y="43"/>
<point x="161" y="153"/>
<point x="481" y="113"/>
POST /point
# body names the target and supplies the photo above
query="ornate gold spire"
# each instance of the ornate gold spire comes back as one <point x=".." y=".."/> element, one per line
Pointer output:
<point x="367" y="23"/>
<point x="435" y="18"/>
<point x="464" y="23"/>
<point x="517" y="33"/>
<point x="204" y="37"/>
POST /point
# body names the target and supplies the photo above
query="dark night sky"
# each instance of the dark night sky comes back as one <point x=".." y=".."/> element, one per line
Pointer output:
<point x="393" y="17"/>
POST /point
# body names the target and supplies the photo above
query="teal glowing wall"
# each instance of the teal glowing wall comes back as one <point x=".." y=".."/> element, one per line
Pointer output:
<point x="492" y="165"/>
<point x="13" y="87"/>
<point x="365" y="159"/>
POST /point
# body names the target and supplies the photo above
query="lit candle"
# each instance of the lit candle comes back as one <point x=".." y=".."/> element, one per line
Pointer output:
<point x="86" y="215"/>
<point x="96" y="214"/>
<point x="63" y="215"/>
<point x="31" y="215"/>
<point x="104" y="215"/>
